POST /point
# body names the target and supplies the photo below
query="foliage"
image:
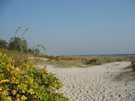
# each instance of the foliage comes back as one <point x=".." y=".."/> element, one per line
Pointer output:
<point x="133" y="65"/>
<point x="3" y="43"/>
<point x="21" y="81"/>
<point x="83" y="61"/>
<point x="132" y="59"/>
<point x="19" y="44"/>
<point x="90" y="61"/>
<point x="36" y="51"/>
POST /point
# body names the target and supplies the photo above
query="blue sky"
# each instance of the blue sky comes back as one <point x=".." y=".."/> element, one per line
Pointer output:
<point x="72" y="26"/>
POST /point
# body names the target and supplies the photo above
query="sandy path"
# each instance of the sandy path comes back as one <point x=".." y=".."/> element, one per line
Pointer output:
<point x="95" y="83"/>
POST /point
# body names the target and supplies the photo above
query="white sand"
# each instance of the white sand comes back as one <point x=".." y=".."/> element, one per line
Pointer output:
<point x="95" y="83"/>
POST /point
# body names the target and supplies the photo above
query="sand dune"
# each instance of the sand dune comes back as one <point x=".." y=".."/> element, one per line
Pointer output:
<point x="96" y="83"/>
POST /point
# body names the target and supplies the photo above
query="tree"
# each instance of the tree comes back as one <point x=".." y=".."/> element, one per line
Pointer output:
<point x="41" y="48"/>
<point x="19" y="44"/>
<point x="36" y="51"/>
<point x="3" y="43"/>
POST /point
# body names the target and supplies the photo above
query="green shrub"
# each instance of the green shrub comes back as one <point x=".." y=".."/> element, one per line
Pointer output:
<point x="132" y="59"/>
<point x="90" y="61"/>
<point x="21" y="81"/>
<point x="3" y="43"/>
<point x="19" y="44"/>
<point x="133" y="65"/>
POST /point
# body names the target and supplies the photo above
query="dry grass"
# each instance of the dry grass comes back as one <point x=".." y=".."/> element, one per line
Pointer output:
<point x="83" y="61"/>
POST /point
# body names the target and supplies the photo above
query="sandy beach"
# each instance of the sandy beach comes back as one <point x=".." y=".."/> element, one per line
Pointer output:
<point x="96" y="83"/>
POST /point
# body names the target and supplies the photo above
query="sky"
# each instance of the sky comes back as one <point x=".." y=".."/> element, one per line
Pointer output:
<point x="72" y="27"/>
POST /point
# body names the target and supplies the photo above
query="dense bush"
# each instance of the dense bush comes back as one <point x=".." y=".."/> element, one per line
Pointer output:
<point x="19" y="44"/>
<point x="90" y="61"/>
<point x="132" y="59"/>
<point x="133" y="65"/>
<point x="21" y="81"/>
<point x="3" y="43"/>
